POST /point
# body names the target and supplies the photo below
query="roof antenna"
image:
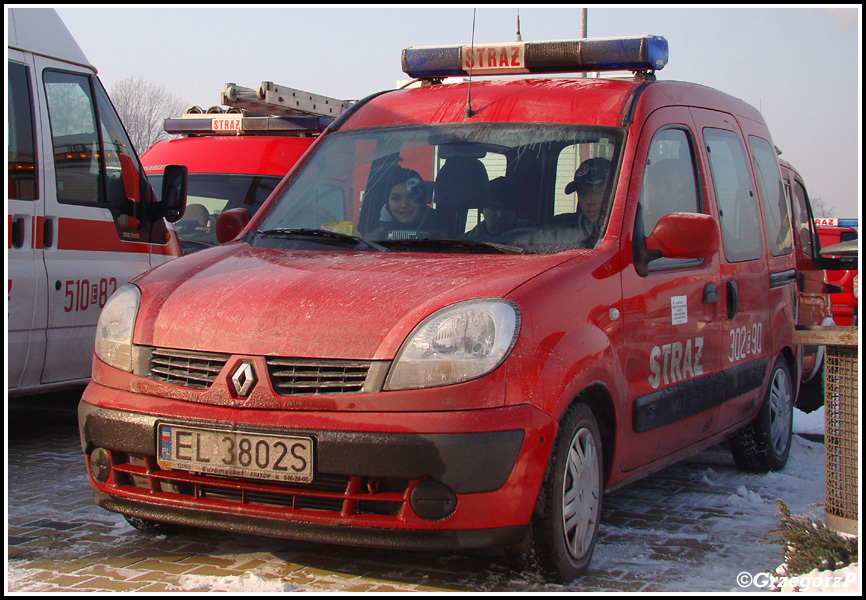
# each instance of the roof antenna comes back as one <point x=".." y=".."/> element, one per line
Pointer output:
<point x="517" y="37"/>
<point x="468" y="112"/>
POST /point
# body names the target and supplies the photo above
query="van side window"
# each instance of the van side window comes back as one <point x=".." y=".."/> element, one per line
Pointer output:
<point x="669" y="185"/>
<point x="93" y="165"/>
<point x="738" y="210"/>
<point x="125" y="184"/>
<point x="804" y="224"/>
<point x="73" y="133"/>
<point x="21" y="156"/>
<point x="669" y="180"/>
<point x="777" y="220"/>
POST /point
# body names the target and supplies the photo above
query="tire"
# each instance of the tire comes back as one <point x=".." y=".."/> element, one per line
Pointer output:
<point x="811" y="396"/>
<point x="765" y="443"/>
<point x="564" y="526"/>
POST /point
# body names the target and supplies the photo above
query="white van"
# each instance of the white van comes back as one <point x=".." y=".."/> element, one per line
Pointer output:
<point x="81" y="216"/>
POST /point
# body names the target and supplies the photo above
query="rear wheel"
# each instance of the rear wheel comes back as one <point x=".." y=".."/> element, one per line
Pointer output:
<point x="564" y="526"/>
<point x="811" y="396"/>
<point x="765" y="443"/>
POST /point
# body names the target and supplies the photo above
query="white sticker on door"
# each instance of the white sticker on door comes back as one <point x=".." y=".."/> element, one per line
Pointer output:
<point x="679" y="310"/>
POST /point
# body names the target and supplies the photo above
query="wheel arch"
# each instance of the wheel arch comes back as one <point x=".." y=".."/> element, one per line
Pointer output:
<point x="598" y="398"/>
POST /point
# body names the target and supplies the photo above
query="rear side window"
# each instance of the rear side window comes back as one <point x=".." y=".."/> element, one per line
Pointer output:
<point x="805" y="226"/>
<point x="738" y="210"/>
<point x="777" y="220"/>
<point x="21" y="155"/>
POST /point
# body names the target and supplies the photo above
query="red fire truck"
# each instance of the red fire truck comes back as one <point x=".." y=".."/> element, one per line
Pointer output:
<point x="846" y="301"/>
<point x="238" y="153"/>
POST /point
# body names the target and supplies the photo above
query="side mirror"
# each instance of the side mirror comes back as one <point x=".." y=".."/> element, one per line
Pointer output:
<point x="230" y="223"/>
<point x="173" y="197"/>
<point x="839" y="257"/>
<point x="685" y="235"/>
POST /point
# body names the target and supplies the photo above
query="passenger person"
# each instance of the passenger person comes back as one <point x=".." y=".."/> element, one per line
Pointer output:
<point x="406" y="208"/>
<point x="589" y="183"/>
<point x="500" y="212"/>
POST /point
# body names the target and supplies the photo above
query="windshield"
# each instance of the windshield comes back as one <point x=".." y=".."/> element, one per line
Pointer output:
<point x="450" y="188"/>
<point x="209" y="194"/>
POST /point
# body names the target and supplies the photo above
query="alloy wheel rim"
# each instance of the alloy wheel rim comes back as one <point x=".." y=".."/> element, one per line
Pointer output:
<point x="581" y="494"/>
<point x="780" y="411"/>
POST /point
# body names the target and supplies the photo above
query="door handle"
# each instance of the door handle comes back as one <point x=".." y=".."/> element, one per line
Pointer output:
<point x="19" y="230"/>
<point x="733" y="299"/>
<point x="47" y="232"/>
<point x="711" y="293"/>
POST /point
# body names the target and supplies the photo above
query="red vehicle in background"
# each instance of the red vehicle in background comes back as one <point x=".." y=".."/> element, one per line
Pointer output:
<point x="813" y="292"/>
<point x="237" y="156"/>
<point x="845" y="303"/>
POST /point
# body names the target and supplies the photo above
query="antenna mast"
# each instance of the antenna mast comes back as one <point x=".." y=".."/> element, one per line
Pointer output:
<point x="468" y="112"/>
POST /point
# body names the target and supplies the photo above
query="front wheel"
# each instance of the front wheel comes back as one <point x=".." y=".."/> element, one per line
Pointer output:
<point x="564" y="525"/>
<point x="765" y="443"/>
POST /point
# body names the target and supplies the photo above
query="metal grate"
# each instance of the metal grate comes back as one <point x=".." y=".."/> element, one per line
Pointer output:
<point x="303" y="377"/>
<point x="841" y="377"/>
<point x="196" y="370"/>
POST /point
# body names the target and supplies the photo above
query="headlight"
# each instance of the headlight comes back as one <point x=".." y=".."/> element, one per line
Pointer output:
<point x="458" y="343"/>
<point x="115" y="327"/>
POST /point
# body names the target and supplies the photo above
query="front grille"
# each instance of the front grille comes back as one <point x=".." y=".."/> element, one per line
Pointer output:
<point x="289" y="376"/>
<point x="196" y="370"/>
<point x="301" y="377"/>
<point x="336" y="494"/>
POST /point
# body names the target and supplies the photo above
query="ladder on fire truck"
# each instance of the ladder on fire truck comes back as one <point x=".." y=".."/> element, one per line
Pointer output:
<point x="268" y="110"/>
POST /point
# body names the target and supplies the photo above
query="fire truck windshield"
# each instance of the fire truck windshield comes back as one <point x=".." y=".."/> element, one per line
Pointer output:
<point x="209" y="194"/>
<point x="468" y="188"/>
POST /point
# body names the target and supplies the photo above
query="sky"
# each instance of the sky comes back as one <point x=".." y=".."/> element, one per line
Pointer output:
<point x="800" y="65"/>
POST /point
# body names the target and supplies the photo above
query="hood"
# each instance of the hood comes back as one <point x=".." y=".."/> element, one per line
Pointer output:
<point x="352" y="305"/>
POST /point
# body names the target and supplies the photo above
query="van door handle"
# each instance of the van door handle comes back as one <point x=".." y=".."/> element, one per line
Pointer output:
<point x="48" y="233"/>
<point x="711" y="293"/>
<point x="733" y="299"/>
<point x="19" y="226"/>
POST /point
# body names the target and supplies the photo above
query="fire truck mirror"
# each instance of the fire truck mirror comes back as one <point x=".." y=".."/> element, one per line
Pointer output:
<point x="174" y="192"/>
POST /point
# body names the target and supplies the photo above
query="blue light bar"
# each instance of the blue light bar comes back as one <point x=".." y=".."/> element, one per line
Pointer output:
<point x="643" y="53"/>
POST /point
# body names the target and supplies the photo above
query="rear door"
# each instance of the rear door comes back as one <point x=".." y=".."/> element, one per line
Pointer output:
<point x="745" y="282"/>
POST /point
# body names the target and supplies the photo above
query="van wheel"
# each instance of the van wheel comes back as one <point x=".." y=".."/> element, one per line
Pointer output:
<point x="811" y="396"/>
<point x="564" y="526"/>
<point x="765" y="443"/>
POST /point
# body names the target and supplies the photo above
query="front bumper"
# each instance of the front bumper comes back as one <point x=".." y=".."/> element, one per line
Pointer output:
<point x="473" y="475"/>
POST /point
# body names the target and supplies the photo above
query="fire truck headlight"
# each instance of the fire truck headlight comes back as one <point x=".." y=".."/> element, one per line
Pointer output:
<point x="458" y="343"/>
<point x="115" y="327"/>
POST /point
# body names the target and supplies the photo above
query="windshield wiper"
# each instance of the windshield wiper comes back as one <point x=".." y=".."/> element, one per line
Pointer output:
<point x="456" y="245"/>
<point x="320" y="235"/>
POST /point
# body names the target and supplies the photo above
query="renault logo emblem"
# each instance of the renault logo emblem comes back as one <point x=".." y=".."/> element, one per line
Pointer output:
<point x="243" y="380"/>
